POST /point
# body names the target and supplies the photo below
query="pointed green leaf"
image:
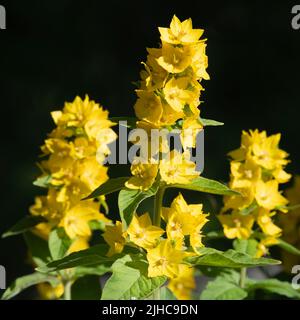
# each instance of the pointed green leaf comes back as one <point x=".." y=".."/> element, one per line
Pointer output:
<point x="131" y="121"/>
<point x="130" y="281"/>
<point x="98" y="270"/>
<point x="43" y="181"/>
<point x="228" y="259"/>
<point x="288" y="247"/>
<point x="206" y="185"/>
<point x="166" y="294"/>
<point x="209" y="122"/>
<point x="59" y="243"/>
<point x="110" y="186"/>
<point x="129" y="200"/>
<point x="249" y="209"/>
<point x="93" y="256"/>
<point x="248" y="246"/>
<point x="273" y="285"/>
<point x="24" y="225"/>
<point x="25" y="282"/>
<point x="222" y="289"/>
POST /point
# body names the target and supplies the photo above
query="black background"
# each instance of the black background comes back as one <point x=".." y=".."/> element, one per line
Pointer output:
<point x="52" y="51"/>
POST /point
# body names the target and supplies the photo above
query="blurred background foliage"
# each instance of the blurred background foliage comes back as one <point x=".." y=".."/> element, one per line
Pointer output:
<point x="55" y="50"/>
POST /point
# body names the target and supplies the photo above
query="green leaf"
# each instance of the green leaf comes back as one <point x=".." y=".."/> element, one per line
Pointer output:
<point x="131" y="121"/>
<point x="289" y="208"/>
<point x="273" y="285"/>
<point x="130" y="281"/>
<point x="129" y="200"/>
<point x="246" y="246"/>
<point x="209" y="122"/>
<point x="166" y="294"/>
<point x="86" y="288"/>
<point x="110" y="186"/>
<point x="97" y="225"/>
<point x="43" y="181"/>
<point x="25" y="282"/>
<point x="228" y="259"/>
<point x="288" y="247"/>
<point x="215" y="234"/>
<point x="59" y="243"/>
<point x="23" y="225"/>
<point x="222" y="289"/>
<point x="90" y="257"/>
<point x="249" y="209"/>
<point x="38" y="248"/>
<point x="206" y="185"/>
<point x="98" y="270"/>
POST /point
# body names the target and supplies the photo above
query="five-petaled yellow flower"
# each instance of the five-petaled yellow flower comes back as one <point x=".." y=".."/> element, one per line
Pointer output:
<point x="143" y="233"/>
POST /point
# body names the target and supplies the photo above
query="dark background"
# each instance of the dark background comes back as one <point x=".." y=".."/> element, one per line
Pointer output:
<point x="52" y="51"/>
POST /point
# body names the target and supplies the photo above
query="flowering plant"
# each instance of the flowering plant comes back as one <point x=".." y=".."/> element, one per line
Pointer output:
<point x="158" y="253"/>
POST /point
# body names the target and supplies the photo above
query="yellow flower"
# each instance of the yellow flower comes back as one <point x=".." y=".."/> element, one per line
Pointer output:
<point x="115" y="238"/>
<point x="144" y="175"/>
<point x="49" y="207"/>
<point x="85" y="114"/>
<point x="265" y="222"/>
<point x="183" y="285"/>
<point x="183" y="219"/>
<point x="169" y="115"/>
<point x="196" y="238"/>
<point x="77" y="218"/>
<point x="267" y="154"/>
<point x="178" y="94"/>
<point x="154" y="77"/>
<point x="47" y="292"/>
<point x="190" y="129"/>
<point x="263" y="150"/>
<point x="176" y="59"/>
<point x="80" y="243"/>
<point x="239" y="201"/>
<point x="236" y="225"/>
<point x="268" y="196"/>
<point x="142" y="232"/>
<point x="177" y="169"/>
<point x="262" y="247"/>
<point x="91" y="173"/>
<point x="148" y="106"/>
<point x="164" y="260"/>
<point x="245" y="174"/>
<point x="180" y="32"/>
<point x="200" y="62"/>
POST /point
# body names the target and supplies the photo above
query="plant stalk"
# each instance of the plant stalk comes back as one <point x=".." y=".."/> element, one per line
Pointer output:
<point x="243" y="275"/>
<point x="158" y="200"/>
<point x="67" y="292"/>
<point x="157" y="206"/>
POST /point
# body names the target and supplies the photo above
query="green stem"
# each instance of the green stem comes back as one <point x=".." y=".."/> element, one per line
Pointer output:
<point x="243" y="275"/>
<point x="157" y="206"/>
<point x="158" y="199"/>
<point x="67" y="293"/>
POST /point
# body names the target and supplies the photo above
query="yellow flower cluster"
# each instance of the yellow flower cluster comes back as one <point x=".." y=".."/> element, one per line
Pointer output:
<point x="164" y="254"/>
<point x="290" y="225"/>
<point x="170" y="91"/>
<point x="72" y="169"/>
<point x="257" y="169"/>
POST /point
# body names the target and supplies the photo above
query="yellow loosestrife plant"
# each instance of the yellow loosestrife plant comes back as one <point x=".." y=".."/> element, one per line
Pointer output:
<point x="168" y="247"/>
